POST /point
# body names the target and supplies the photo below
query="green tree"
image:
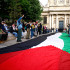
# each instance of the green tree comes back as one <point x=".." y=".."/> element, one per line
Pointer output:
<point x="15" y="10"/>
<point x="36" y="9"/>
<point x="26" y="9"/>
<point x="31" y="9"/>
<point x="4" y="9"/>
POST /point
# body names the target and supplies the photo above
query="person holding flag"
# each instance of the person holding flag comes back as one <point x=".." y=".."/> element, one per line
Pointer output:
<point x="19" y="25"/>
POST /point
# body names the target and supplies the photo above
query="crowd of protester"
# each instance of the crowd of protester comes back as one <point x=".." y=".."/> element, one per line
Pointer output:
<point x="18" y="29"/>
<point x="32" y="29"/>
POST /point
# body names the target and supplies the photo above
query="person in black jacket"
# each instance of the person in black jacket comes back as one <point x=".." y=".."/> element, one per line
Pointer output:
<point x="28" y="30"/>
<point x="5" y="34"/>
<point x="39" y="29"/>
<point x="23" y="26"/>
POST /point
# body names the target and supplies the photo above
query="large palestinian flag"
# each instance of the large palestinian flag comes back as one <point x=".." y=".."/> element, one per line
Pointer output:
<point x="47" y="52"/>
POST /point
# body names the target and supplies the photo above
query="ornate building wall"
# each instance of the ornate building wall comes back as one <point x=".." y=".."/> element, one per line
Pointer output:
<point x="57" y="13"/>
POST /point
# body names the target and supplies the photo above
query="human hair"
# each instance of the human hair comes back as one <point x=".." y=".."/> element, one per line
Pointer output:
<point x="3" y="22"/>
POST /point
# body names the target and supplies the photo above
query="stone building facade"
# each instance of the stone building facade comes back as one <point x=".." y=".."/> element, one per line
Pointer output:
<point x="56" y="14"/>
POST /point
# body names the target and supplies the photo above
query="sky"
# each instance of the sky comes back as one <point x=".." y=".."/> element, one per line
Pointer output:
<point x="44" y="2"/>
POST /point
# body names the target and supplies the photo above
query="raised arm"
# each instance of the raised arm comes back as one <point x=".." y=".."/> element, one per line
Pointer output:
<point x="19" y="20"/>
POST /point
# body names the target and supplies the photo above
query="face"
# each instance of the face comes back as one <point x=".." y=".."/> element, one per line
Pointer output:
<point x="2" y="23"/>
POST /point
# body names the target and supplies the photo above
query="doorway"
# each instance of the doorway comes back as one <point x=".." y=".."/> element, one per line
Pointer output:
<point x="61" y="26"/>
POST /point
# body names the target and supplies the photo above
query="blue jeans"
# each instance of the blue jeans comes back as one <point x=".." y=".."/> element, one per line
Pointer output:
<point x="32" y="33"/>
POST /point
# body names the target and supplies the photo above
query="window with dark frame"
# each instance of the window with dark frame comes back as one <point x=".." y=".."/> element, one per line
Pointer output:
<point x="45" y="20"/>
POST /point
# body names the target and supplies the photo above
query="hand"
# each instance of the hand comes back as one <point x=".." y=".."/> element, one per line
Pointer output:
<point x="23" y="16"/>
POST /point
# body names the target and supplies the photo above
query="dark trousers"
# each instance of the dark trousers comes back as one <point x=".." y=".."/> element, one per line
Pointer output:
<point x="4" y="37"/>
<point x="0" y="36"/>
<point x="39" y="32"/>
<point x="19" y="34"/>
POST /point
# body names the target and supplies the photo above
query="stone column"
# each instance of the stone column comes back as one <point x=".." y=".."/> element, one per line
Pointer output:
<point x="57" y="2"/>
<point x="50" y="21"/>
<point x="69" y="2"/>
<point x="56" y="21"/>
<point x="65" y="21"/>
<point x="65" y="2"/>
<point x="69" y="19"/>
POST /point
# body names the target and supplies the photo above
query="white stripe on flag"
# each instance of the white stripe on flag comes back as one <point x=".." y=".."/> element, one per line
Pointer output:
<point x="53" y="40"/>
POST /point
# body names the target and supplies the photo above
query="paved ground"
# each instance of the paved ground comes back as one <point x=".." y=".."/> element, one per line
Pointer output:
<point x="12" y="42"/>
<point x="25" y="44"/>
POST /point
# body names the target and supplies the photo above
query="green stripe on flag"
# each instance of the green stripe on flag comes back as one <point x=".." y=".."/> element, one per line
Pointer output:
<point x="66" y="40"/>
